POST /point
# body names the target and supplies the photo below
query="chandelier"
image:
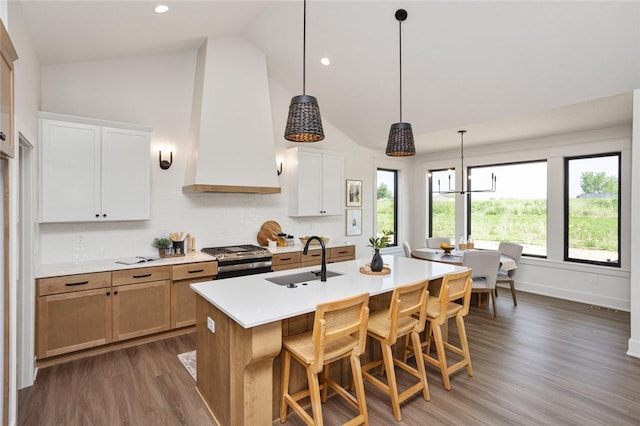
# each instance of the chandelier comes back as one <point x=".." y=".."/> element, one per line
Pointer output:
<point x="462" y="190"/>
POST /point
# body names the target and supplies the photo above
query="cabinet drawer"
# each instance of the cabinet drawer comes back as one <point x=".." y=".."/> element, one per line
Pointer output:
<point x="285" y="258"/>
<point x="194" y="270"/>
<point x="347" y="251"/>
<point x="141" y="275"/>
<point x="312" y="255"/>
<point x="70" y="283"/>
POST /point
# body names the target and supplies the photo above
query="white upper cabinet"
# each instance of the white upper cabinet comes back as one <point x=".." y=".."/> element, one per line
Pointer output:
<point x="91" y="172"/>
<point x="315" y="182"/>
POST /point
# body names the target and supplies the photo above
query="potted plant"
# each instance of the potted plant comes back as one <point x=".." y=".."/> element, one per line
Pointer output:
<point x="162" y="244"/>
<point x="378" y="243"/>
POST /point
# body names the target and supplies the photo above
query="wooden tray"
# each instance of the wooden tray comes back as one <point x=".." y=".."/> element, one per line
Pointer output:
<point x="162" y="255"/>
<point x="366" y="269"/>
<point x="268" y="231"/>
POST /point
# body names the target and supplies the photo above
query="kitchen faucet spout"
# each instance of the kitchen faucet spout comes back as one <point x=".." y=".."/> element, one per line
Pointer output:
<point x="323" y="268"/>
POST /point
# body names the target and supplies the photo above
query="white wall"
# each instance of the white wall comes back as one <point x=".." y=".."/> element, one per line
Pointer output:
<point x="634" y="339"/>
<point x="603" y="286"/>
<point x="156" y="91"/>
<point x="26" y="103"/>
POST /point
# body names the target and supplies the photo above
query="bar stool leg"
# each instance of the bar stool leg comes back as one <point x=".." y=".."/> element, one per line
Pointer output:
<point x="286" y="369"/>
<point x="356" y="371"/>
<point x="387" y="356"/>
<point x="415" y="339"/>
<point x="462" y="332"/>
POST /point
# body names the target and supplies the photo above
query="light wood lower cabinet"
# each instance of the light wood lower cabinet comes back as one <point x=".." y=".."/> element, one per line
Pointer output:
<point x="77" y="312"/>
<point x="297" y="259"/>
<point x="283" y="261"/>
<point x="70" y="322"/>
<point x="183" y="299"/>
<point x="141" y="309"/>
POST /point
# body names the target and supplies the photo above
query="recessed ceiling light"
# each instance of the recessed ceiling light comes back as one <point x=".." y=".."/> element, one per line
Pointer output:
<point x="161" y="8"/>
<point x="325" y="61"/>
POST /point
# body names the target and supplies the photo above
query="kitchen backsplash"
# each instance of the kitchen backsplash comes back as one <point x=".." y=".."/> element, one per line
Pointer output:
<point x="221" y="219"/>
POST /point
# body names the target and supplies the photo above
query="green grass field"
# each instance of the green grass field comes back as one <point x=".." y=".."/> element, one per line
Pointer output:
<point x="593" y="222"/>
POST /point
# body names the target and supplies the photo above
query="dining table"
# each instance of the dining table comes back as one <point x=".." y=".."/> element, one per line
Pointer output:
<point x="455" y="257"/>
<point x="507" y="263"/>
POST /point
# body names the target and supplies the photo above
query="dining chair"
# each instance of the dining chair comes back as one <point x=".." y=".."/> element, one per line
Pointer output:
<point x="339" y="331"/>
<point x="407" y="249"/>
<point x="452" y="301"/>
<point x="434" y="242"/>
<point x="484" y="266"/>
<point x="514" y="251"/>
<point x="405" y="317"/>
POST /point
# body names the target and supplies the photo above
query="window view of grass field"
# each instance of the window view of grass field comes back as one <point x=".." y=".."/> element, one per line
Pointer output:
<point x="386" y="204"/>
<point x="517" y="210"/>
<point x="593" y="210"/>
<point x="443" y="221"/>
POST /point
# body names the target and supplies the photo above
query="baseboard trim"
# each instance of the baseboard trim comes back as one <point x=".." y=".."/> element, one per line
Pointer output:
<point x="634" y="348"/>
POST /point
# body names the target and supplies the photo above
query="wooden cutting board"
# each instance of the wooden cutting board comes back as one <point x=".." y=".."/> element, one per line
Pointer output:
<point x="269" y="230"/>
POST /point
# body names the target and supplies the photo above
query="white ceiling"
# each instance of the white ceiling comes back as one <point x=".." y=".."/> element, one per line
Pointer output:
<point x="502" y="70"/>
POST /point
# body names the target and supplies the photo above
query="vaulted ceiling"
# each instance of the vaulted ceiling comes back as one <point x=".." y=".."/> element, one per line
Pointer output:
<point x="502" y="70"/>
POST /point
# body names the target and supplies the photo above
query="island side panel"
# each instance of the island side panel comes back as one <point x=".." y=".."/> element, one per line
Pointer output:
<point x="236" y="365"/>
<point x="213" y="361"/>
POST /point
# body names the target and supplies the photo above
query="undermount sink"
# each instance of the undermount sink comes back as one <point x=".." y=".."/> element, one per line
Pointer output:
<point x="301" y="277"/>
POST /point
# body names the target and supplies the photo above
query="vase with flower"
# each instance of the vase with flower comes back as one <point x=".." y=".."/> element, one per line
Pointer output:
<point x="377" y="243"/>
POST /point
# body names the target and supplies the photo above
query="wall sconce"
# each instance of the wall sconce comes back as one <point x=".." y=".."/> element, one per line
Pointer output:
<point x="279" y="171"/>
<point x="164" y="164"/>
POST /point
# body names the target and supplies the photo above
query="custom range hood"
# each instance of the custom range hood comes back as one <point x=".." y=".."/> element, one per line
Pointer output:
<point x="231" y="144"/>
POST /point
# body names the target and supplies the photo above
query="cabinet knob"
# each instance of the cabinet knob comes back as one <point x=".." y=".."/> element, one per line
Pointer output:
<point x="108" y="293"/>
<point x="115" y="293"/>
<point x="104" y="215"/>
<point x="3" y="136"/>
<point x="97" y="215"/>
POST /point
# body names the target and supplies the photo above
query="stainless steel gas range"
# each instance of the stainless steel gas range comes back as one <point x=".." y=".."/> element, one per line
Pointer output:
<point x="236" y="261"/>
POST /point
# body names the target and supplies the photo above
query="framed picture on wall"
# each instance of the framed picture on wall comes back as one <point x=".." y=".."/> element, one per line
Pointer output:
<point x="354" y="193"/>
<point x="354" y="222"/>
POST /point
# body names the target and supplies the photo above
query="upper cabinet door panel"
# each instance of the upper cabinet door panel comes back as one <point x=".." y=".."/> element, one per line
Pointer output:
<point x="309" y="184"/>
<point x="125" y="174"/>
<point x="93" y="171"/>
<point x="70" y="171"/>
<point x="315" y="182"/>
<point x="332" y="184"/>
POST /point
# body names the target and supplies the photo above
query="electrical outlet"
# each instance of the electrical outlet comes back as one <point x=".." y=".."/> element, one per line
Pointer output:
<point x="211" y="325"/>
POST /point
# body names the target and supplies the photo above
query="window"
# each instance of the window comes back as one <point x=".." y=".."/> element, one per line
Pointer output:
<point x="442" y="207"/>
<point x="387" y="203"/>
<point x="592" y="209"/>
<point x="516" y="212"/>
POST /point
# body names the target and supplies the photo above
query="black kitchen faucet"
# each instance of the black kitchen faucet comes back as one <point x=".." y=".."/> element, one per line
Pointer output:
<point x="323" y="268"/>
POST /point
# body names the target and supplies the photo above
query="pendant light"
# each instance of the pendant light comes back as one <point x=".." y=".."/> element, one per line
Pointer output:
<point x="400" y="143"/>
<point x="304" y="123"/>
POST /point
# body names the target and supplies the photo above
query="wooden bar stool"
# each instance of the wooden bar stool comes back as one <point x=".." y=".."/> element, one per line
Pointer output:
<point x="439" y="309"/>
<point x="387" y="326"/>
<point x="339" y="331"/>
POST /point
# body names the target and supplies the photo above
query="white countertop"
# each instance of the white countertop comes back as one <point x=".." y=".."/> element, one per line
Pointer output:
<point x="105" y="265"/>
<point x="252" y="300"/>
<point x="299" y="247"/>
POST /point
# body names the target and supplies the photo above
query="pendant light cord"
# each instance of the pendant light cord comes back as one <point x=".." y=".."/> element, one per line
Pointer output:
<point x="304" y="47"/>
<point x="400" y="50"/>
<point x="464" y="175"/>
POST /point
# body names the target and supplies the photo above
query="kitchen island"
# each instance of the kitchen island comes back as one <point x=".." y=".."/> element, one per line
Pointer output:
<point x="240" y="323"/>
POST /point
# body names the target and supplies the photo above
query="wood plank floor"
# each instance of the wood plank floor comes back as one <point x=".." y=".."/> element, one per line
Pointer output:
<point x="546" y="361"/>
